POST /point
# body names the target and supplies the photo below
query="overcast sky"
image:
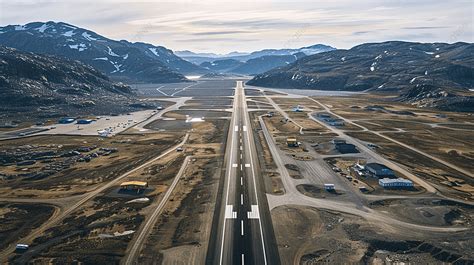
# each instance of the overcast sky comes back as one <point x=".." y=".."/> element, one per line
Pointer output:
<point x="222" y="26"/>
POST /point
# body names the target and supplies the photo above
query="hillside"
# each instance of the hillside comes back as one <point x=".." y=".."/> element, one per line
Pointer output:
<point x="135" y="62"/>
<point x="46" y="85"/>
<point x="425" y="74"/>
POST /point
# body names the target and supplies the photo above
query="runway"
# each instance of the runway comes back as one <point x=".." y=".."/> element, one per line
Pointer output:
<point x="244" y="229"/>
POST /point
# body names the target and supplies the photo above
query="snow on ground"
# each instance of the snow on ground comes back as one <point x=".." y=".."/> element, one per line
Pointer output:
<point x="430" y="53"/>
<point x="413" y="80"/>
<point x="20" y="27"/>
<point x="343" y="59"/>
<point x="80" y="47"/>
<point x="191" y="77"/>
<point x="125" y="57"/>
<point x="68" y="33"/>
<point x="102" y="58"/>
<point x="437" y="56"/>
<point x="117" y="67"/>
<point x="43" y="28"/>
<point x="112" y="53"/>
<point x="153" y="50"/>
<point x="87" y="36"/>
<point x="75" y="46"/>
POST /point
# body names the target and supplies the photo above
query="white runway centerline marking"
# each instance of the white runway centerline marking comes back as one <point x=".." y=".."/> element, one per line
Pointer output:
<point x="241" y="199"/>
<point x="241" y="181"/>
<point x="236" y="128"/>
<point x="245" y="128"/>
<point x="242" y="259"/>
<point x="242" y="227"/>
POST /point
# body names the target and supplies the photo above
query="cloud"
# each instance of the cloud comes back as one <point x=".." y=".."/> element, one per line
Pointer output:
<point x="222" y="26"/>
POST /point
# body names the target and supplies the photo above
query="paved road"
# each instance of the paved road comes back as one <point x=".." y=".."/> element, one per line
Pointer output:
<point x="244" y="229"/>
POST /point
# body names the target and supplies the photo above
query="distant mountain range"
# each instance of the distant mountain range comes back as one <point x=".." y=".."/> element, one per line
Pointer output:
<point x="199" y="58"/>
<point x="48" y="85"/>
<point x="252" y="66"/>
<point x="256" y="62"/>
<point x="425" y="74"/>
<point x="119" y="59"/>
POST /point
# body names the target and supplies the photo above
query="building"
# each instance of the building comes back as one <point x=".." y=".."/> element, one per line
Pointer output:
<point x="66" y="120"/>
<point x="338" y="141"/>
<point x="84" y="121"/>
<point x="291" y="142"/>
<point x="346" y="148"/>
<point x="379" y="170"/>
<point x="334" y="122"/>
<point x="134" y="186"/>
<point x="323" y="115"/>
<point x="329" y="187"/>
<point x="397" y="183"/>
<point x="298" y="109"/>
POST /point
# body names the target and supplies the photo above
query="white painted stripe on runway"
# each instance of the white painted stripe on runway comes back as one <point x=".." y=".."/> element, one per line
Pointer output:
<point x="234" y="165"/>
<point x="241" y="181"/>
<point x="241" y="156"/>
<point x="229" y="213"/>
<point x="241" y="148"/>
<point x="242" y="227"/>
<point x="236" y="128"/>
<point x="245" y="128"/>
<point x="247" y="165"/>
<point x="254" y="214"/>
<point x="241" y="167"/>
<point x="243" y="262"/>
<point x="241" y="199"/>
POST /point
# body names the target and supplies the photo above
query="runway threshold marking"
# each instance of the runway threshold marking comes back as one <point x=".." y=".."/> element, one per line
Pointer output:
<point x="247" y="165"/>
<point x="245" y="128"/>
<point x="254" y="214"/>
<point x="236" y="128"/>
<point x="234" y="165"/>
<point x="229" y="213"/>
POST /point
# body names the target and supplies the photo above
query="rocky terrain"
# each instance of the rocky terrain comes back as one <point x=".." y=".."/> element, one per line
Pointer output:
<point x="118" y="59"/>
<point x="425" y="74"/>
<point x="46" y="85"/>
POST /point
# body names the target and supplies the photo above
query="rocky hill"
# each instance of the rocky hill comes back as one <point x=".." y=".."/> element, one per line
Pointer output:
<point x="425" y="74"/>
<point x="47" y="85"/>
<point x="119" y="59"/>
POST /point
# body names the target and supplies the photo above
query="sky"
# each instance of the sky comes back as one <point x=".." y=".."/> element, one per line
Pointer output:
<point x="226" y="26"/>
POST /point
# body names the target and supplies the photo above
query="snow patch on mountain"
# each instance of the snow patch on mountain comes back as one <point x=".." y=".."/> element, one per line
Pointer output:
<point x="153" y="50"/>
<point x="87" y="36"/>
<point x="43" y="28"/>
<point x="20" y="27"/>
<point x="112" y="53"/>
<point x="68" y="33"/>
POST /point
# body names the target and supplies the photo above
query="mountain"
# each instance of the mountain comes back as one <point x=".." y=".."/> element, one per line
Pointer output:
<point x="264" y="63"/>
<point x="199" y="58"/>
<point x="48" y="85"/>
<point x="252" y="66"/>
<point x="119" y="59"/>
<point x="222" y="66"/>
<point x="425" y="74"/>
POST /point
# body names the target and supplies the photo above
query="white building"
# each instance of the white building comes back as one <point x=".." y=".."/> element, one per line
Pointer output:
<point x="395" y="183"/>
